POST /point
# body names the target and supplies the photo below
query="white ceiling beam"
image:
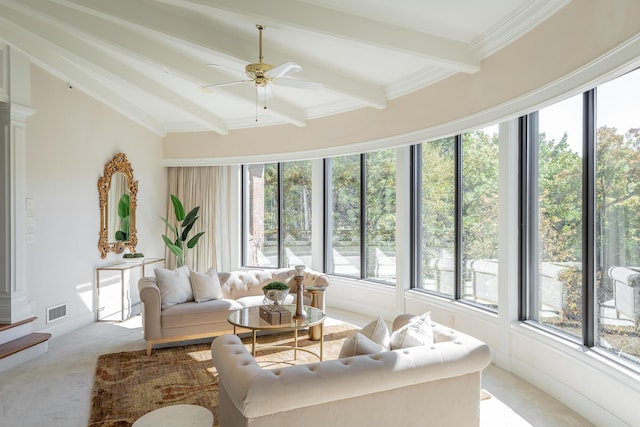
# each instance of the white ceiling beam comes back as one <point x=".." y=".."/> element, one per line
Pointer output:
<point x="43" y="54"/>
<point x="209" y="39"/>
<point x="86" y="54"/>
<point x="451" y="54"/>
<point x="131" y="43"/>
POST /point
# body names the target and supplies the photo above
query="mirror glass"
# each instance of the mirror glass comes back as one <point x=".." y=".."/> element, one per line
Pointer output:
<point x="118" y="215"/>
<point x="118" y="191"/>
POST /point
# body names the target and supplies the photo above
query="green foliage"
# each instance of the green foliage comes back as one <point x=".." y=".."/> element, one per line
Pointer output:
<point x="279" y="286"/>
<point x="122" y="234"/>
<point x="181" y="230"/>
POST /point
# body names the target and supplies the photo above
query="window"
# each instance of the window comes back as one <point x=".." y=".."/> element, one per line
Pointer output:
<point x="297" y="213"/>
<point x="362" y="190"/>
<point x="381" y="215"/>
<point x="277" y="214"/>
<point x="480" y="217"/>
<point x="457" y="217"/>
<point x="582" y="216"/>
<point x="261" y="223"/>
<point x="437" y="235"/>
<point x="617" y="304"/>
<point x="557" y="217"/>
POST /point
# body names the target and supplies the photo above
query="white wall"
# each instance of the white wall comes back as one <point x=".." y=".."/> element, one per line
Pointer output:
<point x="70" y="138"/>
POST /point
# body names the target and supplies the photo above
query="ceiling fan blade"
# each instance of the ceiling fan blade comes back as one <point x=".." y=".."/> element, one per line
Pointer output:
<point x="283" y="69"/>
<point x="299" y="84"/>
<point x="208" y="87"/>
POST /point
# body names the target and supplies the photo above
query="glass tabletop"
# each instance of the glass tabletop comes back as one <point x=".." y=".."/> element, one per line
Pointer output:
<point x="249" y="318"/>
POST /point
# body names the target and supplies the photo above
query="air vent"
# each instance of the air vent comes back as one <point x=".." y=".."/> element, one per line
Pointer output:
<point x="56" y="313"/>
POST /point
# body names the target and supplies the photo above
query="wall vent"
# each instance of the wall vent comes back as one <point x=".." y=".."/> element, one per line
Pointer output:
<point x="56" y="313"/>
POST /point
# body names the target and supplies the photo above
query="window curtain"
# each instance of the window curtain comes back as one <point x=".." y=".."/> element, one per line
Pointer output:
<point x="209" y="188"/>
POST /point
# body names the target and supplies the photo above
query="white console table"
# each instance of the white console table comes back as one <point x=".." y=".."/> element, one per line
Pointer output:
<point x="119" y="301"/>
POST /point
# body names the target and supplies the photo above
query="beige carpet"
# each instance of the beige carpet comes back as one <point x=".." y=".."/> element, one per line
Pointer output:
<point x="128" y="385"/>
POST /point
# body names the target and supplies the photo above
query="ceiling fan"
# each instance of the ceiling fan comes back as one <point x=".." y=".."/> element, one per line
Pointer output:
<point x="263" y="75"/>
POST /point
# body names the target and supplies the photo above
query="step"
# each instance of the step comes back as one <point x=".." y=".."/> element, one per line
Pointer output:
<point x="23" y="343"/>
<point x="5" y="327"/>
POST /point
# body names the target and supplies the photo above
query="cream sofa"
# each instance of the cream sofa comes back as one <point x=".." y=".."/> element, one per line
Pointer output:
<point x="435" y="384"/>
<point x="193" y="320"/>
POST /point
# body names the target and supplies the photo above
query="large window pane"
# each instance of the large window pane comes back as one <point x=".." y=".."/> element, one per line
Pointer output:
<point x="557" y="284"/>
<point x="262" y="219"/>
<point x="381" y="215"/>
<point x="297" y="213"/>
<point x="344" y="214"/>
<point x="438" y="217"/>
<point x="480" y="216"/>
<point x="618" y="216"/>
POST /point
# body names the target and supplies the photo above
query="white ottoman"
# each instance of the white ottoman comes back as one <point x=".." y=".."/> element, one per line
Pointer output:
<point x="176" y="416"/>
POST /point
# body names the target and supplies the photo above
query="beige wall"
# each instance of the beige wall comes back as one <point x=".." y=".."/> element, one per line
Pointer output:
<point x="70" y="138"/>
<point x="549" y="61"/>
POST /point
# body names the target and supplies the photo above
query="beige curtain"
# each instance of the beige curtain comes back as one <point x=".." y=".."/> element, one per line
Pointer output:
<point x="207" y="187"/>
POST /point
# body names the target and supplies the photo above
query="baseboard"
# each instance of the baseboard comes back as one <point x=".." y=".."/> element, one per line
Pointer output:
<point x="70" y="325"/>
<point x="579" y="403"/>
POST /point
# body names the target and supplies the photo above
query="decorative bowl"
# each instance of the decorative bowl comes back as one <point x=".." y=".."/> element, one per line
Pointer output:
<point x="274" y="298"/>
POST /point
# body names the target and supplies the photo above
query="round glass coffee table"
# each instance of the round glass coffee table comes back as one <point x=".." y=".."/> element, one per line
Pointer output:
<point x="249" y="318"/>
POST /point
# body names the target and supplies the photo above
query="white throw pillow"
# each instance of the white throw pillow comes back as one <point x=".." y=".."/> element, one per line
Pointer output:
<point x="174" y="285"/>
<point x="360" y="344"/>
<point x="417" y="332"/>
<point x="205" y="286"/>
<point x="374" y="337"/>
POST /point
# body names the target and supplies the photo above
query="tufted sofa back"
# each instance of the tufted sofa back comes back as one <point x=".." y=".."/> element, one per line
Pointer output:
<point x="238" y="284"/>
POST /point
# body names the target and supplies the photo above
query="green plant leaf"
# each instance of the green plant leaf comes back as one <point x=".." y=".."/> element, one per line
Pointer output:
<point x="176" y="250"/>
<point x="123" y="206"/>
<point x="170" y="226"/>
<point x="185" y="232"/>
<point x="177" y="208"/>
<point x="194" y="240"/>
<point x="191" y="217"/>
<point x="121" y="236"/>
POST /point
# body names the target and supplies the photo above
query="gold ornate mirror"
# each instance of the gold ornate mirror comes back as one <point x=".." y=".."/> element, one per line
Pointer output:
<point x="118" y="201"/>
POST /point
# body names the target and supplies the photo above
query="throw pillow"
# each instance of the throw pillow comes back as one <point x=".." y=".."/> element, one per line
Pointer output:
<point x="417" y="332"/>
<point x="359" y="344"/>
<point x="205" y="286"/>
<point x="374" y="337"/>
<point x="174" y="285"/>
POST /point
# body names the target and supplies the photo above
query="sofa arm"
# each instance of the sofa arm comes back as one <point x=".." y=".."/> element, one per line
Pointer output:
<point x="150" y="296"/>
<point x="257" y="392"/>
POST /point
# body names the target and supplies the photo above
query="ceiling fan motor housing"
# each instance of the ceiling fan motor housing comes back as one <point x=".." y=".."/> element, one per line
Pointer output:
<point x="257" y="73"/>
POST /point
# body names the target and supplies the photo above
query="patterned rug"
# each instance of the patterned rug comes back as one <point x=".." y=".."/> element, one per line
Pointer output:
<point x="128" y="385"/>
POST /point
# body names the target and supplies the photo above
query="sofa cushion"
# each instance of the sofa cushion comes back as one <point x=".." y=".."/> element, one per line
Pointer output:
<point x="372" y="338"/>
<point x="174" y="285"/>
<point x="417" y="332"/>
<point x="205" y="286"/>
<point x="193" y="313"/>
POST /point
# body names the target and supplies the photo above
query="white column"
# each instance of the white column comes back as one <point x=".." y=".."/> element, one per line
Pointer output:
<point x="14" y="304"/>
<point x="403" y="226"/>
<point x="507" y="238"/>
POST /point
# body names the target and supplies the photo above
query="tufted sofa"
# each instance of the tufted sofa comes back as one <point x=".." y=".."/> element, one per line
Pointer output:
<point x="435" y="384"/>
<point x="193" y="320"/>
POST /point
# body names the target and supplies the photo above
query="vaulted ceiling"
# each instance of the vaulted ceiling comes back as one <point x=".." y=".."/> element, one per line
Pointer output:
<point x="151" y="59"/>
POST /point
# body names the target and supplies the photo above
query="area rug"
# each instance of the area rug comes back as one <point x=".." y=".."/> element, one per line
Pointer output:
<point x="127" y="385"/>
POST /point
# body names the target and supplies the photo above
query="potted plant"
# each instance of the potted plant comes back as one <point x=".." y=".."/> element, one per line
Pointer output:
<point x="182" y="228"/>
<point x="133" y="257"/>
<point x="275" y="293"/>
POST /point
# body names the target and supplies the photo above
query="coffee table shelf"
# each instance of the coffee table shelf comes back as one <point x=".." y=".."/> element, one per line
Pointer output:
<point x="249" y="318"/>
